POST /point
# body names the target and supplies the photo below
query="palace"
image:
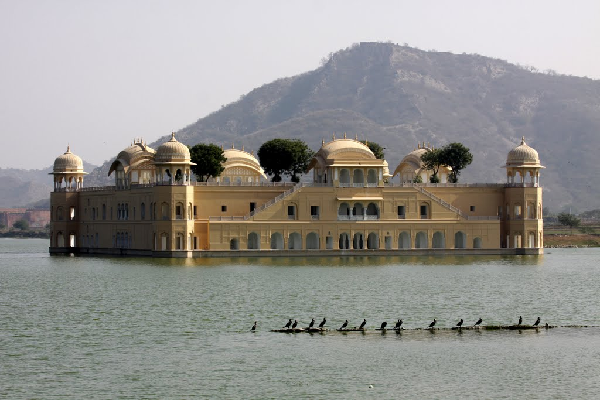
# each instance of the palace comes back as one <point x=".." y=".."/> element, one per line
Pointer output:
<point x="352" y="207"/>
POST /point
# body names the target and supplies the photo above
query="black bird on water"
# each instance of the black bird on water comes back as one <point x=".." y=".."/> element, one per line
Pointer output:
<point x="479" y="321"/>
<point x="253" y="327"/>
<point x="432" y="324"/>
<point x="362" y="325"/>
<point x="344" y="325"/>
<point x="398" y="324"/>
<point x="295" y="324"/>
<point x="383" y="325"/>
<point x="322" y="324"/>
<point x="537" y="322"/>
<point x="459" y="324"/>
<point x="311" y="323"/>
<point x="520" y="320"/>
<point x="289" y="323"/>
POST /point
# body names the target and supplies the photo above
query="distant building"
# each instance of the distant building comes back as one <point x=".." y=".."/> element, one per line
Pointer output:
<point x="37" y="219"/>
<point x="352" y="206"/>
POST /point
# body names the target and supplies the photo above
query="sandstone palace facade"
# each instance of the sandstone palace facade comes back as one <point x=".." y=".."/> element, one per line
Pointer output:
<point x="353" y="206"/>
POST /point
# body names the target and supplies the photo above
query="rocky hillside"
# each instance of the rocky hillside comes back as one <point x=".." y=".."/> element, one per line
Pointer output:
<point x="398" y="96"/>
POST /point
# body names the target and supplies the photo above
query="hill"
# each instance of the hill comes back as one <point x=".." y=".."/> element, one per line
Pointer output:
<point x="398" y="96"/>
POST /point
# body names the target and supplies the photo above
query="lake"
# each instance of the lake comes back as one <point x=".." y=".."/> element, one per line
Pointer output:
<point x="131" y="328"/>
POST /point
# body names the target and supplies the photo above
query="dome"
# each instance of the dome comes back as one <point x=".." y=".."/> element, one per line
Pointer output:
<point x="345" y="148"/>
<point x="133" y="156"/>
<point x="172" y="152"/>
<point x="523" y="155"/>
<point x="68" y="162"/>
<point x="240" y="158"/>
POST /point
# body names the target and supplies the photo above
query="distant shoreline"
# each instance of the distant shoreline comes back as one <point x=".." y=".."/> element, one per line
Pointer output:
<point x="25" y="235"/>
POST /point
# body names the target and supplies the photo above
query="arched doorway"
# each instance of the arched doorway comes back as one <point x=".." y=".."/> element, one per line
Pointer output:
<point x="404" y="240"/>
<point x="421" y="241"/>
<point x="295" y="241"/>
<point x="276" y="241"/>
<point x="477" y="243"/>
<point x="439" y="240"/>
<point x="234" y="244"/>
<point x="253" y="241"/>
<point x="460" y="240"/>
<point x="373" y="241"/>
<point x="358" y="241"/>
<point x="344" y="243"/>
<point x="312" y="241"/>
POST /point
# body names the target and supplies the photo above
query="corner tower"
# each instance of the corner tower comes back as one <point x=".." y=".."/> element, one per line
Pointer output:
<point x="64" y="208"/>
<point x="524" y="226"/>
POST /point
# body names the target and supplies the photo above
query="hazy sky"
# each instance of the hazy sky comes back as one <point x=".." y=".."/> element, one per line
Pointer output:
<point x="96" y="74"/>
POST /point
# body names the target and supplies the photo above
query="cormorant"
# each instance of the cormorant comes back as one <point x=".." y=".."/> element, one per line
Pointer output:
<point x="289" y="323"/>
<point x="344" y="325"/>
<point x="432" y="324"/>
<point x="459" y="324"/>
<point x="362" y="325"/>
<point x="398" y="324"/>
<point x="383" y="325"/>
<point x="322" y="324"/>
<point x="311" y="323"/>
<point x="537" y="322"/>
<point x="520" y="320"/>
<point x="295" y="324"/>
<point x="479" y="321"/>
<point x="253" y="327"/>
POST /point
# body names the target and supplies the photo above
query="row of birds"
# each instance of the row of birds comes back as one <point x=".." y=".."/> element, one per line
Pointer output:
<point x="293" y="325"/>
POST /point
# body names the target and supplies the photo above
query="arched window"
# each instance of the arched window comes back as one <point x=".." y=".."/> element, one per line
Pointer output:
<point x="60" y="240"/>
<point x="372" y="177"/>
<point x="143" y="211"/>
<point x="253" y="241"/>
<point x="344" y="211"/>
<point x="358" y="177"/>
<point x="421" y="241"/>
<point x="164" y="208"/>
<point x="477" y="243"/>
<point x="404" y="240"/>
<point x="372" y="211"/>
<point x="388" y="242"/>
<point x="59" y="215"/>
<point x="358" y="210"/>
<point x="460" y="240"/>
<point x="312" y="241"/>
<point x="295" y="241"/>
<point x="531" y="240"/>
<point x="344" y="176"/>
<point x="373" y="241"/>
<point x="276" y="241"/>
<point x="439" y="240"/>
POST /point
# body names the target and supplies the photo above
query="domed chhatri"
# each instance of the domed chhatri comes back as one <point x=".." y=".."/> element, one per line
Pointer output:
<point x="173" y="161"/>
<point x="523" y="165"/>
<point x="346" y="162"/>
<point x="523" y="155"/>
<point x="68" y="162"/>
<point x="172" y="151"/>
<point x="68" y="172"/>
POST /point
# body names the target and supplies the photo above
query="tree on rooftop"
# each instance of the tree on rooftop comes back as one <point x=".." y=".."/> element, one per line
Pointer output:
<point x="284" y="156"/>
<point x="432" y="160"/>
<point x="375" y="148"/>
<point x="209" y="161"/>
<point x="457" y="157"/>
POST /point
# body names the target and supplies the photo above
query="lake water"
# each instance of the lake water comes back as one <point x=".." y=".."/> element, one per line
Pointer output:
<point x="132" y="328"/>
